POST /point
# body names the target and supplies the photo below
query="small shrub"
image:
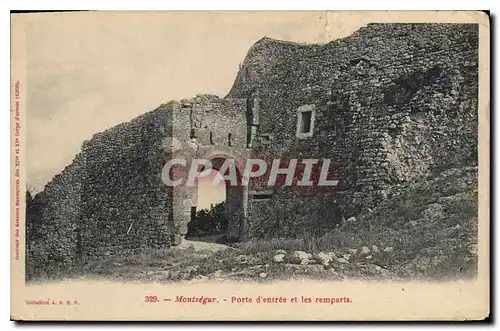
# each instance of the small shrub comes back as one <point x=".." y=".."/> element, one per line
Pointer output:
<point x="209" y="221"/>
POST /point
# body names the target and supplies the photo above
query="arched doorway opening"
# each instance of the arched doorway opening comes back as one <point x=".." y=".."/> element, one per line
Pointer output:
<point x="211" y="190"/>
<point x="208" y="221"/>
<point x="220" y="211"/>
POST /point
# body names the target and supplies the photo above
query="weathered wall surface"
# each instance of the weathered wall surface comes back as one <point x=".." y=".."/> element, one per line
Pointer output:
<point x="112" y="200"/>
<point x="54" y="222"/>
<point x="205" y="127"/>
<point x="126" y="205"/>
<point x="394" y="102"/>
<point x="109" y="200"/>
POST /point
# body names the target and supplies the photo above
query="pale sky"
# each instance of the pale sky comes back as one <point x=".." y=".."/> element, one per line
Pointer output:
<point x="87" y="72"/>
<point x="208" y="193"/>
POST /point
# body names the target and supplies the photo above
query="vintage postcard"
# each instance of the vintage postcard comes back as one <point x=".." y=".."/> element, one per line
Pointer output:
<point x="290" y="166"/>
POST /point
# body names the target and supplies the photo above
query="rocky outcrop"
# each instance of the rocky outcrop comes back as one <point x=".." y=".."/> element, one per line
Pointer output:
<point x="394" y="103"/>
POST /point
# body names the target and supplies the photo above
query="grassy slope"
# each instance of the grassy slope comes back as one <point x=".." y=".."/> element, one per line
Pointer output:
<point x="431" y="233"/>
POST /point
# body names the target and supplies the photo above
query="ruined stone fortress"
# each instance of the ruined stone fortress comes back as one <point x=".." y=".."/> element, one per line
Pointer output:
<point x="391" y="103"/>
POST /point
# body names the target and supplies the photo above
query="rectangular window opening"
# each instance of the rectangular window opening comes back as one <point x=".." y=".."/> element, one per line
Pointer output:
<point x="211" y="138"/>
<point x="305" y="121"/>
<point x="262" y="196"/>
<point x="266" y="138"/>
<point x="229" y="138"/>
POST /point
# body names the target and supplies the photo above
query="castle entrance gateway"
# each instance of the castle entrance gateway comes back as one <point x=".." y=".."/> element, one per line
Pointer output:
<point x="186" y="198"/>
<point x="236" y="201"/>
<point x="112" y="198"/>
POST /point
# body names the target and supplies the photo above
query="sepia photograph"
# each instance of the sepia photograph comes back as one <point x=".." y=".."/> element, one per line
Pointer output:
<point x="215" y="159"/>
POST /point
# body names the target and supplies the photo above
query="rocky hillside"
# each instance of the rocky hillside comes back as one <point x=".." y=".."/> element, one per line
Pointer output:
<point x="396" y="109"/>
<point x="394" y="103"/>
<point x="429" y="233"/>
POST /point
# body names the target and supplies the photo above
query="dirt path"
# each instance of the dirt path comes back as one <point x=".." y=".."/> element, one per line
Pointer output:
<point x="201" y="246"/>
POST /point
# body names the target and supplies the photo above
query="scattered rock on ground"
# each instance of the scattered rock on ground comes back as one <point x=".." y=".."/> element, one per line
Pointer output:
<point x="332" y="255"/>
<point x="216" y="274"/>
<point x="363" y="252"/>
<point x="247" y="259"/>
<point x="342" y="260"/>
<point x="375" y="270"/>
<point x="279" y="258"/>
<point x="323" y="258"/>
<point x="241" y="258"/>
<point x="300" y="257"/>
<point x="304" y="268"/>
<point x="335" y="275"/>
<point x="200" y="278"/>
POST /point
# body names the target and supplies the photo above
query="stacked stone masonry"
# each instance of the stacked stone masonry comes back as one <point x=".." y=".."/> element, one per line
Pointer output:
<point x="392" y="104"/>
